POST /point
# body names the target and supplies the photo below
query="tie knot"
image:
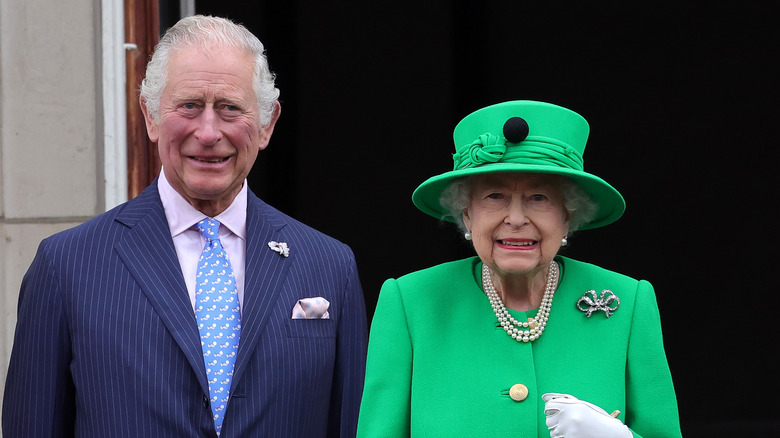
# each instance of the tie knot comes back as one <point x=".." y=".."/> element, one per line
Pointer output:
<point x="209" y="228"/>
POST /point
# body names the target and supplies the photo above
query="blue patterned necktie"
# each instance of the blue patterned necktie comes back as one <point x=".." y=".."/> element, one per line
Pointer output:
<point x="219" y="317"/>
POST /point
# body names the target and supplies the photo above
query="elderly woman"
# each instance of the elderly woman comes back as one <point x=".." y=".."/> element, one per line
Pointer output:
<point x="518" y="341"/>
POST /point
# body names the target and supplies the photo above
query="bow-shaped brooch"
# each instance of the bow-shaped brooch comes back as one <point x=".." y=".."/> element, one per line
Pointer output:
<point x="280" y="247"/>
<point x="608" y="302"/>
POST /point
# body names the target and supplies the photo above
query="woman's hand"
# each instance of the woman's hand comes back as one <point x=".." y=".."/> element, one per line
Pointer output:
<point x="569" y="417"/>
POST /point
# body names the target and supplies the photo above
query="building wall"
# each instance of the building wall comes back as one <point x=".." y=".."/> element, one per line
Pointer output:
<point x="51" y="137"/>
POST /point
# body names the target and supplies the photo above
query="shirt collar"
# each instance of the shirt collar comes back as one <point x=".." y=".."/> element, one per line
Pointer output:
<point x="182" y="216"/>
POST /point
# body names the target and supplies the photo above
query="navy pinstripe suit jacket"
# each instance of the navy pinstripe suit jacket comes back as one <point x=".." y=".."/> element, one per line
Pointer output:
<point x="106" y="343"/>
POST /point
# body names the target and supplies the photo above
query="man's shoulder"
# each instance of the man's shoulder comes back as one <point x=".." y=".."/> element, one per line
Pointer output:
<point x="102" y="225"/>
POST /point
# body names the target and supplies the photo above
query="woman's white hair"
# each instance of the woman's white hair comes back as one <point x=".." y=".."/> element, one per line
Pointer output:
<point x="208" y="31"/>
<point x="581" y="208"/>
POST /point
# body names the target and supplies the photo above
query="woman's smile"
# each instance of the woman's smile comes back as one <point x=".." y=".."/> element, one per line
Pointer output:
<point x="514" y="244"/>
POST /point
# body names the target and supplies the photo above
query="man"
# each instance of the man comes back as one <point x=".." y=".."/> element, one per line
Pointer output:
<point x="194" y="310"/>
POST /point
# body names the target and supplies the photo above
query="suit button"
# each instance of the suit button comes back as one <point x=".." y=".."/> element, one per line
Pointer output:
<point x="205" y="401"/>
<point x="518" y="392"/>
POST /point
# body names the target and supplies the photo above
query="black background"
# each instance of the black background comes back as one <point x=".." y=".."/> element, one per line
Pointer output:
<point x="681" y="103"/>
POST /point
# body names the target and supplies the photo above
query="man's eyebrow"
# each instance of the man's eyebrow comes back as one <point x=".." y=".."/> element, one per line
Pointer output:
<point x="186" y="96"/>
<point x="229" y="99"/>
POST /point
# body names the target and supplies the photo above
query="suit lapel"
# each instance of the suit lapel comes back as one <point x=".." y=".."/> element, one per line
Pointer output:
<point x="148" y="252"/>
<point x="264" y="276"/>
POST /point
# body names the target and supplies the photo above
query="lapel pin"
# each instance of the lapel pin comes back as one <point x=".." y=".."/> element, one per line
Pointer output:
<point x="280" y="247"/>
<point x="608" y="302"/>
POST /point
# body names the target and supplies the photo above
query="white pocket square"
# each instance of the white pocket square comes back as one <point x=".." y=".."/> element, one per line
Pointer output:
<point x="311" y="308"/>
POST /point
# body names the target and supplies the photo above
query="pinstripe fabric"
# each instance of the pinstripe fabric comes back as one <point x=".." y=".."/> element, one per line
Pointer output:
<point x="106" y="343"/>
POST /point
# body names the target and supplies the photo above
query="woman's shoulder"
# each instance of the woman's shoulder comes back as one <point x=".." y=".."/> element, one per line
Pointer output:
<point x="435" y="281"/>
<point x="426" y="289"/>
<point x="442" y="272"/>
<point x="582" y="277"/>
<point x="583" y="270"/>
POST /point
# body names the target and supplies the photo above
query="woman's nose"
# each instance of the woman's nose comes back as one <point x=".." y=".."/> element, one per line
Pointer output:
<point x="515" y="215"/>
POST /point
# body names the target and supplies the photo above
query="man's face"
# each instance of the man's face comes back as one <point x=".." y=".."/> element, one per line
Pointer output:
<point x="209" y="132"/>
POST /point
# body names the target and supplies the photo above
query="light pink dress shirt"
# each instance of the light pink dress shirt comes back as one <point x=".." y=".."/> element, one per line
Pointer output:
<point x="182" y="218"/>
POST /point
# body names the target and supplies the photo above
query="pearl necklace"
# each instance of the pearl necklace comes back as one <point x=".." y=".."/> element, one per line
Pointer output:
<point x="533" y="328"/>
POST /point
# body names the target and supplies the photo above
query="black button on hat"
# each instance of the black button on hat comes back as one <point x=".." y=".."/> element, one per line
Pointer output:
<point x="515" y="129"/>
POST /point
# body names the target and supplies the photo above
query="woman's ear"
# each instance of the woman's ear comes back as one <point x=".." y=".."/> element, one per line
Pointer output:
<point x="466" y="218"/>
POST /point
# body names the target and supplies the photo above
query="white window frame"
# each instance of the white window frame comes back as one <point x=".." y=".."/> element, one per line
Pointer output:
<point x="114" y="102"/>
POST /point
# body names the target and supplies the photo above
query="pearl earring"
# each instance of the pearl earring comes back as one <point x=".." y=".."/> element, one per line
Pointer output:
<point x="564" y="241"/>
<point x="467" y="235"/>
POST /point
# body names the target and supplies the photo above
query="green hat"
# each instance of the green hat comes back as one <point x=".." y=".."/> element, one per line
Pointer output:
<point x="522" y="136"/>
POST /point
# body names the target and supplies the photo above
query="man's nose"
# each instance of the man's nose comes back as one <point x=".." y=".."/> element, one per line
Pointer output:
<point x="208" y="131"/>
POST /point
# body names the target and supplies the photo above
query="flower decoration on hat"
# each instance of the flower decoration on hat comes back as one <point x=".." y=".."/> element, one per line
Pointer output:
<point x="487" y="148"/>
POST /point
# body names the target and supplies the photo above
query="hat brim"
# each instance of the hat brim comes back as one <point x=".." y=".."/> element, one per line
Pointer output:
<point x="610" y="203"/>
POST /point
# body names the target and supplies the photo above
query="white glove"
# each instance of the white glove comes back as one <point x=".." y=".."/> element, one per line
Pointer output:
<point x="570" y="417"/>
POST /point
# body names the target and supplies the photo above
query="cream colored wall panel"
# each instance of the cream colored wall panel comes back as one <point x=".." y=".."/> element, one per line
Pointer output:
<point x="49" y="107"/>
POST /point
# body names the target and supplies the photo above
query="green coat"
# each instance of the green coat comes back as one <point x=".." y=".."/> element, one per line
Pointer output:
<point x="439" y="364"/>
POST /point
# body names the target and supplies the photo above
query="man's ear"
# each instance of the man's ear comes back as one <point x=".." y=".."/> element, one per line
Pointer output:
<point x="267" y="130"/>
<point x="151" y="125"/>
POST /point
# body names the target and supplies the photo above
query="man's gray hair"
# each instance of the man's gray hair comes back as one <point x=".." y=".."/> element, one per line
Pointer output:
<point x="206" y="31"/>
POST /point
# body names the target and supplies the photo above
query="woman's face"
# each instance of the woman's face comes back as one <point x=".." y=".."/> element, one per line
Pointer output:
<point x="517" y="221"/>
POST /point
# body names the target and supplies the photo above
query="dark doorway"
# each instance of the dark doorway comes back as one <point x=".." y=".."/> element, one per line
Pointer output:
<point x="681" y="102"/>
